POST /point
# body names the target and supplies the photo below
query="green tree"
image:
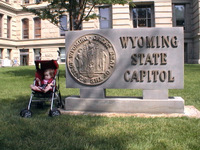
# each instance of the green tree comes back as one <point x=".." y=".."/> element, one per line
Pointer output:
<point x="78" y="10"/>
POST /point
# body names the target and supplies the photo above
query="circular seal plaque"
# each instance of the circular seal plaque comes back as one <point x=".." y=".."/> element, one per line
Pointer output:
<point x="91" y="59"/>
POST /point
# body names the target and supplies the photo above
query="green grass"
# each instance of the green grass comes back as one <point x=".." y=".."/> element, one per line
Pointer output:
<point x="68" y="132"/>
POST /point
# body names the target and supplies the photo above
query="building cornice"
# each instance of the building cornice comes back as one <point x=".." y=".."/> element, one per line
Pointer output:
<point x="36" y="6"/>
<point x="18" y="9"/>
<point x="32" y="42"/>
<point x="9" y="7"/>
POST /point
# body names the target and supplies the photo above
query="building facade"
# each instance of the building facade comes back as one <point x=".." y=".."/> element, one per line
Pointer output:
<point x="25" y="38"/>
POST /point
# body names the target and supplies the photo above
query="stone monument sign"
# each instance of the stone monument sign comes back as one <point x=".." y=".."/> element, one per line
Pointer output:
<point x="151" y="59"/>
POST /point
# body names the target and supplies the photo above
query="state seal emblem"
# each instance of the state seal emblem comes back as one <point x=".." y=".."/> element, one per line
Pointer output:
<point x="91" y="59"/>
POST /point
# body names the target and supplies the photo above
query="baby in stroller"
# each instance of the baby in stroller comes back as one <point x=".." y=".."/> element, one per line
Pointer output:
<point x="45" y="88"/>
<point x="46" y="84"/>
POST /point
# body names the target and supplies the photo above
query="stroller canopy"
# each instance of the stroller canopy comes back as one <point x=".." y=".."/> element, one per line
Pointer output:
<point x="42" y="65"/>
<point x="46" y="64"/>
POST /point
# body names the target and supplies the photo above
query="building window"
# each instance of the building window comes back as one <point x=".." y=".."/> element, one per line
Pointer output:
<point x="26" y="1"/>
<point x="185" y="52"/>
<point x="1" y="57"/>
<point x="37" y="27"/>
<point x="142" y="16"/>
<point x="105" y="19"/>
<point x="62" y="54"/>
<point x="1" y="53"/>
<point x="37" y="54"/>
<point x="9" y="53"/>
<point x="1" y="24"/>
<point x="179" y="15"/>
<point x="63" y="25"/>
<point x="8" y="26"/>
<point x="25" y="29"/>
<point x="38" y="1"/>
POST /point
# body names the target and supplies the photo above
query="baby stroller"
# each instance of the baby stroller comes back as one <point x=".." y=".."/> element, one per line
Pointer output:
<point x="53" y="95"/>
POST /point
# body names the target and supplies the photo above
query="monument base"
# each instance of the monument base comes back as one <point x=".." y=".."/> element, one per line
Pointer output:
<point x="125" y="105"/>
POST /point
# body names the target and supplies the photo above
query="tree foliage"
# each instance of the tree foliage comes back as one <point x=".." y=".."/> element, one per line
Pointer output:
<point x="78" y="10"/>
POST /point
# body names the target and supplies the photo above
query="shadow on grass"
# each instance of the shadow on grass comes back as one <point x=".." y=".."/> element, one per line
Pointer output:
<point x="63" y="132"/>
<point x="90" y="132"/>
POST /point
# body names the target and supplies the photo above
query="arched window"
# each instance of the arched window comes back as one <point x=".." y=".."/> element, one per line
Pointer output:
<point x="37" y="27"/>
<point x="25" y="28"/>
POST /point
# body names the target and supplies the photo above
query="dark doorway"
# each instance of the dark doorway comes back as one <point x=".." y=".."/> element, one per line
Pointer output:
<point x="24" y="57"/>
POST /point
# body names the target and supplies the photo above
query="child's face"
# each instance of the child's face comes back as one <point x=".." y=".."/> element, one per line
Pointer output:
<point x="47" y="75"/>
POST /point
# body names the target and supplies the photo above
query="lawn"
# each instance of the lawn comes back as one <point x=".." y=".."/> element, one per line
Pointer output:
<point x="82" y="132"/>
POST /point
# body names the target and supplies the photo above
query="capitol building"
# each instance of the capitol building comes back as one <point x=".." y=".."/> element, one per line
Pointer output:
<point x="25" y="38"/>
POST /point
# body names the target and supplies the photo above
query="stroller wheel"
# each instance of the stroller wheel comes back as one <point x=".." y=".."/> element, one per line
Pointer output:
<point x="26" y="113"/>
<point x="54" y="112"/>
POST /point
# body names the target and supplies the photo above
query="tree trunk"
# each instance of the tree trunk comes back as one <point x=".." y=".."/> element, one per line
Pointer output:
<point x="71" y="20"/>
